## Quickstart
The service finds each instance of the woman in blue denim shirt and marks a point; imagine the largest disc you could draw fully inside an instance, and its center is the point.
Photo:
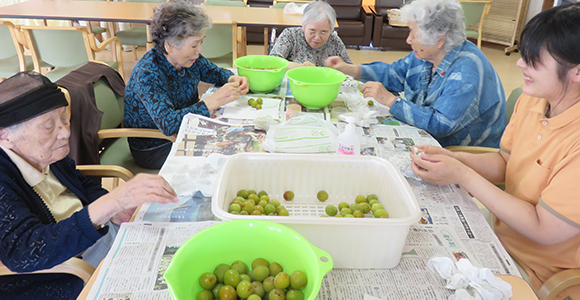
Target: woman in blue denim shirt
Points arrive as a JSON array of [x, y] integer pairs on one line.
[[447, 86]]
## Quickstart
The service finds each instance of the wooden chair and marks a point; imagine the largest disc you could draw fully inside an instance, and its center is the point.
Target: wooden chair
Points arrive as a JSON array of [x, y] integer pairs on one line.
[[475, 12], [136, 34], [216, 47], [62, 47], [12, 59], [74, 266]]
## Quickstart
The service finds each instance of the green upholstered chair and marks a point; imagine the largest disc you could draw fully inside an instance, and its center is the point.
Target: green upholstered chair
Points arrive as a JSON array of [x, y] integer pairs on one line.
[[475, 12], [66, 48], [135, 35], [511, 103], [217, 48], [12, 58], [114, 145]]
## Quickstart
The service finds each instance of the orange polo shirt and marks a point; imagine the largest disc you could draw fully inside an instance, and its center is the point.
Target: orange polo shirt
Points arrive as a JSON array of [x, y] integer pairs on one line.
[[544, 169]]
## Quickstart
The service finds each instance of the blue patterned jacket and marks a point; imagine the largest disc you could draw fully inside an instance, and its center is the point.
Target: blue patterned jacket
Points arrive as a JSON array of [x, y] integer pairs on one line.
[[159, 96], [463, 104], [31, 240]]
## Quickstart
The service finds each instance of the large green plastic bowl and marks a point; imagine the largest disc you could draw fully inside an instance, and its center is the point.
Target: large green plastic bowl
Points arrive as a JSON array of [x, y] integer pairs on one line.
[[245, 240], [264, 72], [315, 87]]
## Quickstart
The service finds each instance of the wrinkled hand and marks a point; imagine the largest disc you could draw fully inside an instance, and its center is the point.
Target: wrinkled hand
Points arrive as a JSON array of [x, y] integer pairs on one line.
[[437, 165], [337, 63], [141, 189], [378, 91], [123, 216], [242, 82], [224, 95]]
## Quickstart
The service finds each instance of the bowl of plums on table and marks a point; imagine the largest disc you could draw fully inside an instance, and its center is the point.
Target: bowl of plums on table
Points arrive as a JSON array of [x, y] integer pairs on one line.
[[247, 259], [264, 72]]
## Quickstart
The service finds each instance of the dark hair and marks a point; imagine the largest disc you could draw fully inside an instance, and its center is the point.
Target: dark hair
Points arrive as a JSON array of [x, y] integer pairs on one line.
[[174, 21], [557, 30]]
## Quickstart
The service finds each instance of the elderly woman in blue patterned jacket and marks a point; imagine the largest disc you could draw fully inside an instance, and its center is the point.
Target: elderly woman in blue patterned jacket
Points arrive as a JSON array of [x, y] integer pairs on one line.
[[447, 85], [49, 211], [314, 42], [163, 86]]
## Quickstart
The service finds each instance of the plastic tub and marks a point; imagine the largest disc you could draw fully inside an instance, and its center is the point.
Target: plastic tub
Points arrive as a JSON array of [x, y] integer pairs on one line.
[[315, 87], [352, 242], [245, 240], [264, 72]]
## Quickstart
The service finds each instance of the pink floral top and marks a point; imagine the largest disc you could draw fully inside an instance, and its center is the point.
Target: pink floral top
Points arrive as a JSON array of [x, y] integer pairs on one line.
[[292, 45]]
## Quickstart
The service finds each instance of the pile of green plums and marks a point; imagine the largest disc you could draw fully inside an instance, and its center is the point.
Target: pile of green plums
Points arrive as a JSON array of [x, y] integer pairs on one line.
[[265, 280], [255, 103], [248, 202], [362, 205]]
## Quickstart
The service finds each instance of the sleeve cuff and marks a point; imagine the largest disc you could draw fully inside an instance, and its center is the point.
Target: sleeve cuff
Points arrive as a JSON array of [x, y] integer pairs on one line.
[[86, 225]]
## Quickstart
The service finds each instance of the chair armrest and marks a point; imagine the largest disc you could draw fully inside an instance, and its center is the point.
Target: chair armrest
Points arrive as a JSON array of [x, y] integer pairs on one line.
[[118, 50], [74, 266], [105, 171], [134, 132], [559, 282], [472, 149]]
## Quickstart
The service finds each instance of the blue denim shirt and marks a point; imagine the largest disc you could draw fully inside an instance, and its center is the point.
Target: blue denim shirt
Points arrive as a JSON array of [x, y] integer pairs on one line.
[[159, 96], [462, 104]]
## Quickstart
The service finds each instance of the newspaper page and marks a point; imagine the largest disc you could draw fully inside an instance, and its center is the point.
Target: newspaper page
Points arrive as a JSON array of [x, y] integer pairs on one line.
[[134, 267]]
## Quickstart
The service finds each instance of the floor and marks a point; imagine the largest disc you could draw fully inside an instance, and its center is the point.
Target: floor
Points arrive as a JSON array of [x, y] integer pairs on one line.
[[510, 75]]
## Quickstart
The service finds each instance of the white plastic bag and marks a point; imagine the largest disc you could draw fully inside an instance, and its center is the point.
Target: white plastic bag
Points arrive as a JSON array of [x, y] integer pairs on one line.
[[302, 134]]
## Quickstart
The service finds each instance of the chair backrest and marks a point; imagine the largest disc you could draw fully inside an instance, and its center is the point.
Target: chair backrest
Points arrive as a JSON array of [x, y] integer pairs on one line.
[[7, 47], [216, 43], [58, 46], [109, 103], [473, 11], [511, 102], [283, 3]]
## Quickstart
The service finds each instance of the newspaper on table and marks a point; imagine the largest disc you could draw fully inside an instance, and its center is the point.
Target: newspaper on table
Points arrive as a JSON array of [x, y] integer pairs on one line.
[[451, 225]]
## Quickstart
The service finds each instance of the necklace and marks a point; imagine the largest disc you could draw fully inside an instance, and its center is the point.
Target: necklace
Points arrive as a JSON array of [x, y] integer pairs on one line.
[[181, 73], [550, 109]]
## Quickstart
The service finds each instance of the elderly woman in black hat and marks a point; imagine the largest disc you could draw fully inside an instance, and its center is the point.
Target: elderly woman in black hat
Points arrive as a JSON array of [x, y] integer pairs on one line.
[[49, 211]]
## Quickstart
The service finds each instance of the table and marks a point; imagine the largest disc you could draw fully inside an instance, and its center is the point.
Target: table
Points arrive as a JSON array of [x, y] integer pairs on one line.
[[140, 12], [451, 224]]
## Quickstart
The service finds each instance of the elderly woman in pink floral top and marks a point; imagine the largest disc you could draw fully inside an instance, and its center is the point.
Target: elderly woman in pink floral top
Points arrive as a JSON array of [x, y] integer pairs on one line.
[[314, 42]]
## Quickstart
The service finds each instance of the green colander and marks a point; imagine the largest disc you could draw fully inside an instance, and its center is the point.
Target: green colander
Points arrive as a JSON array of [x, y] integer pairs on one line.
[[315, 87], [264, 72], [245, 240]]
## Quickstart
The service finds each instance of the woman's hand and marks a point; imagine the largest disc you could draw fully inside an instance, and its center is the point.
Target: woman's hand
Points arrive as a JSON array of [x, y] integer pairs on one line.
[[437, 165], [224, 95], [120, 203], [293, 65], [242, 82], [337, 63], [378, 91]]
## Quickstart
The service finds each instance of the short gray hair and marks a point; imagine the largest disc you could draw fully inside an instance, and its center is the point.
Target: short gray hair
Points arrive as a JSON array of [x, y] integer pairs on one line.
[[435, 19], [318, 11], [175, 21]]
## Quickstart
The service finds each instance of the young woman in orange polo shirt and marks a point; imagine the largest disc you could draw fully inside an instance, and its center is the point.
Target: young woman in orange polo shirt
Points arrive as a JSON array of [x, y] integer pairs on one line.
[[537, 218]]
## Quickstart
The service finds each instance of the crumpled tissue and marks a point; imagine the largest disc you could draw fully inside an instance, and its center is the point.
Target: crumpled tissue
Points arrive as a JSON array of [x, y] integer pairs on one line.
[[293, 9], [465, 277], [358, 108]]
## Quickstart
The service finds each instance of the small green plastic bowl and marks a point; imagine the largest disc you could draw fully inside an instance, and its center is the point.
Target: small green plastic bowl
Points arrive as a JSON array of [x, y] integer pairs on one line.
[[315, 87], [264, 72], [245, 240]]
